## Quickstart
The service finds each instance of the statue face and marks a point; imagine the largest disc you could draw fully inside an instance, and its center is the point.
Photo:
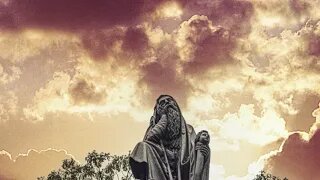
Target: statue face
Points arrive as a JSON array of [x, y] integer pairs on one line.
[[163, 103], [204, 138]]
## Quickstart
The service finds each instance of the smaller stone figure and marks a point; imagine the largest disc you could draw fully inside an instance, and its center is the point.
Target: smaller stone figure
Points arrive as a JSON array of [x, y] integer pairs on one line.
[[202, 156]]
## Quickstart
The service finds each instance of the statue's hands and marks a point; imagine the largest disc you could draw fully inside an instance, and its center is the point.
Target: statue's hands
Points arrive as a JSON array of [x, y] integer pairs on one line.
[[163, 117], [158, 129], [162, 111], [152, 120], [204, 149]]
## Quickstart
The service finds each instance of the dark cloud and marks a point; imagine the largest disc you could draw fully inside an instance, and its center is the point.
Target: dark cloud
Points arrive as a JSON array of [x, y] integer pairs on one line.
[[6, 17], [74, 14], [299, 159], [314, 45], [135, 40], [306, 103], [213, 50], [83, 92], [207, 46], [163, 79], [96, 21], [99, 43], [299, 6], [211, 45], [32, 165], [234, 15]]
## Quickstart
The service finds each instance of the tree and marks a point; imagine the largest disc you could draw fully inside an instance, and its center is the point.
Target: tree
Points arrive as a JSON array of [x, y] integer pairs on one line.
[[98, 166], [103, 166], [93, 168], [54, 175], [70, 169], [266, 176]]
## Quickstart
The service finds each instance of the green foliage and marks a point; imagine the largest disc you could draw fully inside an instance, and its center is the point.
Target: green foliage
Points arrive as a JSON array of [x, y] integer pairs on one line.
[[265, 176], [98, 166], [103, 166]]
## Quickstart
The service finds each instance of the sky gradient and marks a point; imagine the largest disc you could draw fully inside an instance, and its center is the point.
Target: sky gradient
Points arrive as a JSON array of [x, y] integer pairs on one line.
[[79, 75]]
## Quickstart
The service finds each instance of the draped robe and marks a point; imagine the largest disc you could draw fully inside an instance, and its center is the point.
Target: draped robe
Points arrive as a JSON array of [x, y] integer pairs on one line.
[[148, 158], [203, 162]]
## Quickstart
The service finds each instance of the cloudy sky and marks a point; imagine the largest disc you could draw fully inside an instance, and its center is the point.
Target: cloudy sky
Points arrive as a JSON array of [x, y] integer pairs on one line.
[[78, 75]]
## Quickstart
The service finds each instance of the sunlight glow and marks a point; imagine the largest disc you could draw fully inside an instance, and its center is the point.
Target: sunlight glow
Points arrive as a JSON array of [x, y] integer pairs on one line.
[[170, 9]]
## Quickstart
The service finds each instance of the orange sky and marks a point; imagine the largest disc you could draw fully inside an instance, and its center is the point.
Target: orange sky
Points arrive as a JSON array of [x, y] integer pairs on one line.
[[79, 75]]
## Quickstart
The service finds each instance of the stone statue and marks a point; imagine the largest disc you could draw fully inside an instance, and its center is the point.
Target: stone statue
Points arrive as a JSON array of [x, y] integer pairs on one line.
[[167, 151], [202, 156]]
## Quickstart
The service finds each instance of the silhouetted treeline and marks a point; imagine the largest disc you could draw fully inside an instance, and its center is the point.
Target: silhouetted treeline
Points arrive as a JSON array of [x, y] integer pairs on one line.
[[103, 166], [98, 166], [266, 176]]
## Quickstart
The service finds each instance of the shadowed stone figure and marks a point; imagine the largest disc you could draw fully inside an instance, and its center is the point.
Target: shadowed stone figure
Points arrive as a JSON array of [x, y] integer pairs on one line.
[[167, 150], [202, 156]]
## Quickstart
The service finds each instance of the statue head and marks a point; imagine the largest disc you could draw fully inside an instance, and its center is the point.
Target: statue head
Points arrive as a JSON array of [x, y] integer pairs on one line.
[[203, 137], [164, 105], [164, 102], [167, 105]]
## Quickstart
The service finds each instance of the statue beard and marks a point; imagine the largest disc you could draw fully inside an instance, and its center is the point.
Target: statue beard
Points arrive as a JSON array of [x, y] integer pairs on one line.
[[172, 136], [173, 131]]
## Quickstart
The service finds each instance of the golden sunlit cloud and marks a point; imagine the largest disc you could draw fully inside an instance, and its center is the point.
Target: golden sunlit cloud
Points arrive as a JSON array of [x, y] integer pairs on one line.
[[243, 70], [169, 9], [40, 163]]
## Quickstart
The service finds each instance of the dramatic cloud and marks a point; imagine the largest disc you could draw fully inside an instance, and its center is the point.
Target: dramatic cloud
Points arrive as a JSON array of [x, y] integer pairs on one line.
[[302, 120], [202, 45], [99, 43], [316, 125], [299, 6], [298, 156], [31, 165], [256, 130], [72, 14], [78, 71], [125, 44], [6, 17], [313, 39], [163, 79], [298, 159], [234, 15], [83, 92], [135, 41], [52, 98]]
